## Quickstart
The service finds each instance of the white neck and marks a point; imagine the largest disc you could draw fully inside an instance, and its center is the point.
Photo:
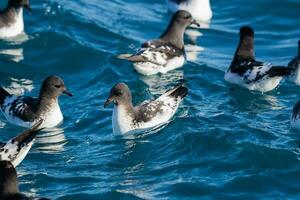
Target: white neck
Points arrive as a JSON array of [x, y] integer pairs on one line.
[[121, 121]]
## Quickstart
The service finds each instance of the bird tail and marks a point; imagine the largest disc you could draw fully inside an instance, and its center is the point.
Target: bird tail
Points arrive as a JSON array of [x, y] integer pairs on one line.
[[179, 91], [3, 95], [27, 136], [280, 71]]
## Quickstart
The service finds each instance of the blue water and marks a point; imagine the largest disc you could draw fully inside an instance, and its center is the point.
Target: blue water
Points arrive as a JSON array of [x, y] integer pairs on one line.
[[224, 143]]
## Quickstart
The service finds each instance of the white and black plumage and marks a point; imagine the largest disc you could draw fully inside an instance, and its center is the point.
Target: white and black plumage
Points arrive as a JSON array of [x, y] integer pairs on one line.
[[295, 65], [246, 72], [166, 53], [149, 114], [9, 184], [11, 18], [25, 111], [200, 9], [17, 148]]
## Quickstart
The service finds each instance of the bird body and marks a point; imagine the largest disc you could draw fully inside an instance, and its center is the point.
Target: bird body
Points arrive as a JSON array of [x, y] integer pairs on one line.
[[25, 111], [246, 72], [165, 53], [127, 118]]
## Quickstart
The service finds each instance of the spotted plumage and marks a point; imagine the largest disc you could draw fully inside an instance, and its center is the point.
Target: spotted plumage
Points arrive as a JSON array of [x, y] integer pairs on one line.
[[149, 114], [166, 53], [26, 111], [11, 18], [246, 72], [295, 65], [17, 148], [9, 184]]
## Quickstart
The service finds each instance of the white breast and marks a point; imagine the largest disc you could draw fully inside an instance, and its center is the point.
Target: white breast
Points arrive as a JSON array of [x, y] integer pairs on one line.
[[15, 28], [53, 117], [121, 121]]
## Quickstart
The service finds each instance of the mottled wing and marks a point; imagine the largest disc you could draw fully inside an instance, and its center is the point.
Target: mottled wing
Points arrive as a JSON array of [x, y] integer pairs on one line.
[[146, 111], [255, 70], [17, 148], [158, 52], [20, 107]]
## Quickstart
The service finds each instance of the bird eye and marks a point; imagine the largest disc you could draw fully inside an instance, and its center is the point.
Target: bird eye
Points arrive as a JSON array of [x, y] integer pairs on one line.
[[118, 93], [57, 86]]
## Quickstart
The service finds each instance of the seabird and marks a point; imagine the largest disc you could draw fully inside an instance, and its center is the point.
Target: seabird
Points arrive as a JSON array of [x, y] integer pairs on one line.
[[147, 115], [246, 72], [11, 18], [200, 9], [166, 53], [295, 65], [9, 184], [25, 111], [17, 148]]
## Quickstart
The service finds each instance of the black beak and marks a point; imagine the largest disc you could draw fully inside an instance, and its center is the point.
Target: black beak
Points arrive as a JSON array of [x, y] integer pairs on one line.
[[27, 6], [108, 101], [195, 23], [67, 92]]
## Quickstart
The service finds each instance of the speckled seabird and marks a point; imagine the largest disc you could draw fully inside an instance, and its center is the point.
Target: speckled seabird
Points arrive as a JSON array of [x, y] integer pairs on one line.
[[246, 72], [17, 148], [25, 111], [9, 185], [11, 18], [149, 114], [166, 53], [295, 64], [200, 9]]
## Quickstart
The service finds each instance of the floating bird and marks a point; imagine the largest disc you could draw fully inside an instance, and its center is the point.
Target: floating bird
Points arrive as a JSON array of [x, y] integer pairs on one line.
[[9, 185], [11, 18], [246, 72], [17, 148], [149, 114], [200, 9], [25, 111], [295, 64], [166, 53]]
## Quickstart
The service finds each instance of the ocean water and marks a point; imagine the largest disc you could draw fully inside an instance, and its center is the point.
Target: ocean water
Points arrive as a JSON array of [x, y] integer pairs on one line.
[[224, 143]]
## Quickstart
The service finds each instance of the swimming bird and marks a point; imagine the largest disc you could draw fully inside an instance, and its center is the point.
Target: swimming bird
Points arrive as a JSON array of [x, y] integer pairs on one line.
[[25, 111], [295, 64], [9, 184], [17, 148], [11, 18], [200, 9], [166, 53], [246, 72], [147, 115]]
